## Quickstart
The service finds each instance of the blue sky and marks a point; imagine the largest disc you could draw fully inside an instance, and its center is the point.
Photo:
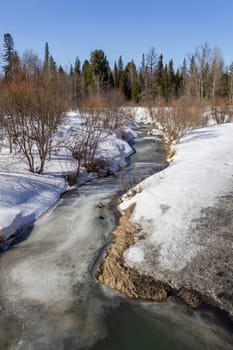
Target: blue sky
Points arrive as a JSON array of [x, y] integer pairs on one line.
[[124, 27]]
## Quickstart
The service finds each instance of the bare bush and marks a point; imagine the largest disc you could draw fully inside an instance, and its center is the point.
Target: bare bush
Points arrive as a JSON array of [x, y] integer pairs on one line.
[[221, 111], [111, 99], [95, 126], [175, 121], [32, 107]]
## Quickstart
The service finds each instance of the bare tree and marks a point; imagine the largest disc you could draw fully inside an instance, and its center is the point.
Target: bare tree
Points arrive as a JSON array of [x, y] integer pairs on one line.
[[216, 71], [150, 77]]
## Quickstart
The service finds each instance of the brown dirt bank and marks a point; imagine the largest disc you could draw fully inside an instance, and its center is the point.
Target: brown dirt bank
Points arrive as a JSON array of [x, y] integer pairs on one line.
[[113, 273]]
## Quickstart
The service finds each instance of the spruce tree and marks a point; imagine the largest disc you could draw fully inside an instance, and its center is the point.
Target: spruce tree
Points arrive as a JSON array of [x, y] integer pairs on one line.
[[170, 80], [121, 76], [9, 53], [46, 57], [77, 66], [130, 77], [115, 75], [101, 73], [52, 65], [161, 76]]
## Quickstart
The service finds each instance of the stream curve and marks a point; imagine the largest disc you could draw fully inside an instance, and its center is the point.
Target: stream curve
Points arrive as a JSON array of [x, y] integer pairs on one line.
[[50, 299]]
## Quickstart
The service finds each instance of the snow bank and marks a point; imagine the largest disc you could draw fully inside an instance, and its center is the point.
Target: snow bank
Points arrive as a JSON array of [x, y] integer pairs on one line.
[[200, 172], [25, 196]]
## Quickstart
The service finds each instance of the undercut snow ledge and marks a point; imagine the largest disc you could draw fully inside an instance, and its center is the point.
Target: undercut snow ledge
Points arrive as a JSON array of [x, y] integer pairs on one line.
[[24, 198]]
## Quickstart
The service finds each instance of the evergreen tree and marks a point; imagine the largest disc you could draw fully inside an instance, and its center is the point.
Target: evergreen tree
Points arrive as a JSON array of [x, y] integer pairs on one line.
[[77, 67], [115, 75], [160, 87], [86, 75], [170, 81], [120, 64], [76, 83], [52, 65], [61, 70], [230, 74], [101, 73], [9, 54], [225, 87], [46, 57], [178, 84], [71, 70], [130, 79], [142, 73], [121, 76], [184, 78], [193, 78], [135, 91]]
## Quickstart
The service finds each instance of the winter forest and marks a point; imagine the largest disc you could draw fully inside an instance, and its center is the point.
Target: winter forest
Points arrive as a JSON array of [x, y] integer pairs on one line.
[[202, 75], [35, 94]]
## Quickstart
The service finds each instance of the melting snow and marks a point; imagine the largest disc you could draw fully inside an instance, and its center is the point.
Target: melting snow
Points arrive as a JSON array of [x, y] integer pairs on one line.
[[201, 170]]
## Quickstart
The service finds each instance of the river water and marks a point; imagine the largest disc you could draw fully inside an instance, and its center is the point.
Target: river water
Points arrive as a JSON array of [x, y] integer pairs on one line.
[[50, 299]]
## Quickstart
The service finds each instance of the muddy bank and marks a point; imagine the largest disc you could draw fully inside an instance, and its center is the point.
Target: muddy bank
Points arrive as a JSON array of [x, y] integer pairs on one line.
[[114, 273], [208, 278]]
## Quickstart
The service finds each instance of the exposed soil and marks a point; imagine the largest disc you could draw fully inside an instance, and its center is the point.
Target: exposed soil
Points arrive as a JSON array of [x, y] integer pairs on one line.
[[207, 278], [113, 273]]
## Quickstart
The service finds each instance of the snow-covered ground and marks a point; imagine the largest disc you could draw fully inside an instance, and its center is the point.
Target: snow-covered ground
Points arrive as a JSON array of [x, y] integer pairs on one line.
[[25, 196], [170, 201]]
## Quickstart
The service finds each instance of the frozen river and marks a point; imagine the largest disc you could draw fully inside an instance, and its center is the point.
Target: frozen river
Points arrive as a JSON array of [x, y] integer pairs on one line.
[[50, 299]]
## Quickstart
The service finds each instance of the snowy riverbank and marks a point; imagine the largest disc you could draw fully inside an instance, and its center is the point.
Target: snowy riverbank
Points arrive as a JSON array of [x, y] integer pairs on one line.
[[181, 236], [24, 196]]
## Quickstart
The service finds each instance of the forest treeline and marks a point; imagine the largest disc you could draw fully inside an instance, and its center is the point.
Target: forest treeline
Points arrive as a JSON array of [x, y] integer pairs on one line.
[[202, 75], [35, 94]]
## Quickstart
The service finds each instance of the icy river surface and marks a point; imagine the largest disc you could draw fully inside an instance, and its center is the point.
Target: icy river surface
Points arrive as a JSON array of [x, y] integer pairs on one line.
[[50, 299]]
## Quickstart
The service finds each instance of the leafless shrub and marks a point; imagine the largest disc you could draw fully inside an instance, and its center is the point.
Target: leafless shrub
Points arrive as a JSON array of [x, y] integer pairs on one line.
[[175, 121], [181, 116], [221, 111], [32, 107], [95, 126], [111, 99]]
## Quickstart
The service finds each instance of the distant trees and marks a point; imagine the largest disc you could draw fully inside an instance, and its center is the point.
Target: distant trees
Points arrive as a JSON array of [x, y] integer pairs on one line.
[[202, 75], [35, 93]]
